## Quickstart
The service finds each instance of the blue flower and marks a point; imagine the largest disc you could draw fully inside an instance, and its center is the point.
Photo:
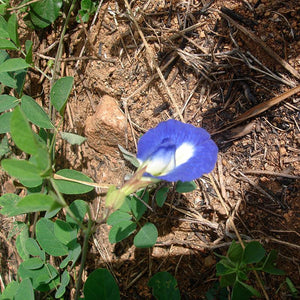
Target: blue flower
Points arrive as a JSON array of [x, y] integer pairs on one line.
[[175, 151]]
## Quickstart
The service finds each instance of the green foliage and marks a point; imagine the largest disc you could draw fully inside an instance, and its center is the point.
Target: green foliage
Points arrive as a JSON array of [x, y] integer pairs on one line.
[[4, 147], [72, 138], [5, 122], [234, 267], [22, 133], [71, 188], [13, 64], [7, 102], [164, 286], [35, 113], [48, 243], [87, 8], [9, 205], [185, 187], [161, 196], [60, 92], [25, 171], [101, 285], [216, 292], [43, 13], [292, 288], [129, 156], [146, 237], [125, 221], [47, 237]]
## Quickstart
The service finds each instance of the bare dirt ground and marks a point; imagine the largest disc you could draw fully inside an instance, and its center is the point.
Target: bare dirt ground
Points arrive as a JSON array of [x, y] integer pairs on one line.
[[226, 63]]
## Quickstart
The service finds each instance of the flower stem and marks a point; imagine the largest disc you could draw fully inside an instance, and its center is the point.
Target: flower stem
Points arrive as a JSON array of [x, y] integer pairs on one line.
[[87, 234]]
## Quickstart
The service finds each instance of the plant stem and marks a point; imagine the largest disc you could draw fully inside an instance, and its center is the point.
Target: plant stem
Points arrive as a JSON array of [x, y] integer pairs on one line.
[[87, 235], [58, 55], [63, 203]]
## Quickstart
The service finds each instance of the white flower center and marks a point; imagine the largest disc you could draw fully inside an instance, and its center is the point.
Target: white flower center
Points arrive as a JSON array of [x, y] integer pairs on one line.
[[166, 158], [183, 153]]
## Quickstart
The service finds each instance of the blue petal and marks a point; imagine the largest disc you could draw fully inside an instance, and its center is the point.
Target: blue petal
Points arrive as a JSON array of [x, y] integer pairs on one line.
[[202, 162], [199, 160]]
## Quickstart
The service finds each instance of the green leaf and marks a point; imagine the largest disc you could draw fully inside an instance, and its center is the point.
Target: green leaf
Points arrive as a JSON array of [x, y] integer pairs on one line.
[[43, 13], [216, 292], [79, 209], [129, 156], [41, 160], [3, 28], [74, 253], [269, 264], [228, 279], [20, 243], [35, 113], [86, 5], [7, 80], [4, 147], [3, 54], [101, 285], [185, 187], [161, 196], [243, 291], [14, 64], [224, 268], [7, 102], [253, 253], [3, 31], [6, 44], [146, 237], [33, 263], [47, 239], [43, 279], [9, 205], [65, 278], [71, 188], [21, 132], [291, 286], [5, 122], [3, 8], [164, 286], [20, 77], [17, 228], [36, 202], [117, 217], [72, 138], [121, 231], [10, 291], [65, 233], [25, 290], [60, 92], [137, 207], [235, 252], [12, 28], [34, 249], [28, 48], [24, 170]]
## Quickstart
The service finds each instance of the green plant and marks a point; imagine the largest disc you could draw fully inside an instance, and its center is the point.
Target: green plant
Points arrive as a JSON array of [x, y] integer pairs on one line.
[[234, 268], [164, 286], [128, 218], [39, 14], [87, 8]]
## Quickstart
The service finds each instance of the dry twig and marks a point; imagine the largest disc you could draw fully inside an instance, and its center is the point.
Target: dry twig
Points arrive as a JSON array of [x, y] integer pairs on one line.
[[152, 61]]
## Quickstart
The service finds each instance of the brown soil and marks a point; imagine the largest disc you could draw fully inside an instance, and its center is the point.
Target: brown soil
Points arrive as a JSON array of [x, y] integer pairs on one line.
[[219, 73]]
